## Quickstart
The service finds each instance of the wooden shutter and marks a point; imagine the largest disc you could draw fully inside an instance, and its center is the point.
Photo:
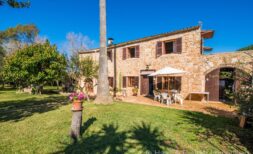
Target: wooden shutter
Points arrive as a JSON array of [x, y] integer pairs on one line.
[[124, 54], [179, 45], [124, 82], [137, 51], [159, 49], [212, 84]]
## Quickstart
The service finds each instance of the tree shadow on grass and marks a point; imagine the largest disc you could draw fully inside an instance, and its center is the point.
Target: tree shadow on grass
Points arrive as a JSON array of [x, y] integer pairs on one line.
[[221, 112], [110, 140], [87, 124], [231, 137], [20, 109], [107, 140], [151, 139]]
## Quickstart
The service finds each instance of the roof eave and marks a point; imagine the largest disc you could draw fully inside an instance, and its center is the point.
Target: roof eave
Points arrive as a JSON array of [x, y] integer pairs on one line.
[[185, 30], [207, 34]]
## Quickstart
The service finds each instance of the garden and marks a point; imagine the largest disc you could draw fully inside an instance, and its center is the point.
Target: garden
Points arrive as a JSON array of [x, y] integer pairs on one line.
[[42, 88], [41, 124]]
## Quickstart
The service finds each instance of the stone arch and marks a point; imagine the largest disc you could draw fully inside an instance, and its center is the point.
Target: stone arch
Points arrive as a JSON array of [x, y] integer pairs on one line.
[[216, 85], [243, 68]]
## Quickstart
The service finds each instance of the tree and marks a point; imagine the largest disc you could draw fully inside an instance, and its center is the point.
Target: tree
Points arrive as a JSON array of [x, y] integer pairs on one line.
[[35, 64], [15, 38], [250, 47], [103, 95], [89, 70], [76, 42], [244, 96], [15, 3], [21, 33], [243, 92], [2, 54]]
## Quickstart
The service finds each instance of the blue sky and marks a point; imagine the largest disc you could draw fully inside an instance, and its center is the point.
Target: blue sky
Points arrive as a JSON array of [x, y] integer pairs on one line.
[[232, 20]]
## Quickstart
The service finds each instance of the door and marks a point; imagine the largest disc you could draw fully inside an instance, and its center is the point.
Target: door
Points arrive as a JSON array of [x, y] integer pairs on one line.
[[212, 84], [151, 85], [144, 85]]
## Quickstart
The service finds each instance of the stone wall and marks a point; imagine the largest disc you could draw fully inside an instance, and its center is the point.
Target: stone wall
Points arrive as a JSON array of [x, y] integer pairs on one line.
[[190, 60]]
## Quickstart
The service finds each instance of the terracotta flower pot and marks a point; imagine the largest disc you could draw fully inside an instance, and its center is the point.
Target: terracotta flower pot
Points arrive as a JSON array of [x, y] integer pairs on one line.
[[77, 105]]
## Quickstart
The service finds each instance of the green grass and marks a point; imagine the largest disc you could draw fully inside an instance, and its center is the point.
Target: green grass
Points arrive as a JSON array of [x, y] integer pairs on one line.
[[41, 124]]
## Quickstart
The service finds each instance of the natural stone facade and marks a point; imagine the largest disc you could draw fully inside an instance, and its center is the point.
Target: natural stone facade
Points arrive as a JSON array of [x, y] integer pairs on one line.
[[191, 60]]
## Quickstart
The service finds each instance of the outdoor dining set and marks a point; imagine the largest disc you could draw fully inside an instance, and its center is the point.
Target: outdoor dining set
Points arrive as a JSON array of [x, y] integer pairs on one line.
[[168, 97]]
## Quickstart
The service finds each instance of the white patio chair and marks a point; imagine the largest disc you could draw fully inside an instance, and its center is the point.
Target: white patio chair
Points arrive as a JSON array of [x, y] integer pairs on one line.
[[157, 95], [124, 92], [179, 98], [165, 97]]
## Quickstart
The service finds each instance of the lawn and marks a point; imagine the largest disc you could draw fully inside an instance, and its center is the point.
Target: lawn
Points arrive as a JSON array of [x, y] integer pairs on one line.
[[40, 124]]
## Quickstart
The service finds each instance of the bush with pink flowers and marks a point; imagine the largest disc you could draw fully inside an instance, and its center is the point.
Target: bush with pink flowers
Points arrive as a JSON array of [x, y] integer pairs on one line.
[[77, 96]]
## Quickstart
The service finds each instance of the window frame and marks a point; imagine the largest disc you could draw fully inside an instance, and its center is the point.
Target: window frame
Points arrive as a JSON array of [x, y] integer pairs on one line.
[[173, 47], [111, 81], [131, 81], [129, 52], [169, 83]]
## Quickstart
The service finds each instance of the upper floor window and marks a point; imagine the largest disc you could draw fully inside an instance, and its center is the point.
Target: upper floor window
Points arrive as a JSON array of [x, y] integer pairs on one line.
[[168, 47], [109, 55], [131, 52]]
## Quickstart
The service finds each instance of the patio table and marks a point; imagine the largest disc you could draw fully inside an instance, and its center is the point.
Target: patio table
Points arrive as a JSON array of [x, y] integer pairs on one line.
[[201, 93]]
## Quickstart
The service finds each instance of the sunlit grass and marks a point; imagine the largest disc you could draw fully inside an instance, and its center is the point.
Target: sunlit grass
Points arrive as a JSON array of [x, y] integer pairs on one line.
[[40, 124]]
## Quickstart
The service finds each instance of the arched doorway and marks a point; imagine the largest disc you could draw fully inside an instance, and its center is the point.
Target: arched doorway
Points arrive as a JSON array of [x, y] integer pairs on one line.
[[221, 82]]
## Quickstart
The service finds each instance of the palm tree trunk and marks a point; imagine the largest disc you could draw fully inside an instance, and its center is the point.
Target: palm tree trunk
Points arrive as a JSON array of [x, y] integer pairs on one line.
[[103, 95]]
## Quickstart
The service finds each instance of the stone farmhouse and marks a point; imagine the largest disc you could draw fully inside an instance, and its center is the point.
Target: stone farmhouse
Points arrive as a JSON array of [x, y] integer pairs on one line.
[[130, 64]]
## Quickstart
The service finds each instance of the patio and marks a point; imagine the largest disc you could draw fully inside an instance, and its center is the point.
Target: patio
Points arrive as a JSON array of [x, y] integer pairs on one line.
[[212, 108]]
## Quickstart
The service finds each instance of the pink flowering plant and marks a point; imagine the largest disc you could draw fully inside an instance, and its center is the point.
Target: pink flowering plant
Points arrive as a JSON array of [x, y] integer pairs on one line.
[[77, 96]]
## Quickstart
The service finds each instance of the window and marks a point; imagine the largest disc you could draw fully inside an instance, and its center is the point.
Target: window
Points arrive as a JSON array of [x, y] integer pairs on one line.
[[110, 79], [133, 81], [159, 83], [131, 52], [109, 55], [175, 83], [165, 82], [169, 83], [89, 86], [168, 47]]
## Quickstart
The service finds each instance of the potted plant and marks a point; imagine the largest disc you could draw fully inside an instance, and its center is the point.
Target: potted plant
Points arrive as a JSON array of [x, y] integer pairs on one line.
[[77, 100], [135, 91]]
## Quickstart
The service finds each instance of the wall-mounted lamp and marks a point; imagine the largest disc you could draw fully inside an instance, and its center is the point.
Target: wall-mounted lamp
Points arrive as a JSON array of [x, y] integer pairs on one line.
[[147, 67]]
